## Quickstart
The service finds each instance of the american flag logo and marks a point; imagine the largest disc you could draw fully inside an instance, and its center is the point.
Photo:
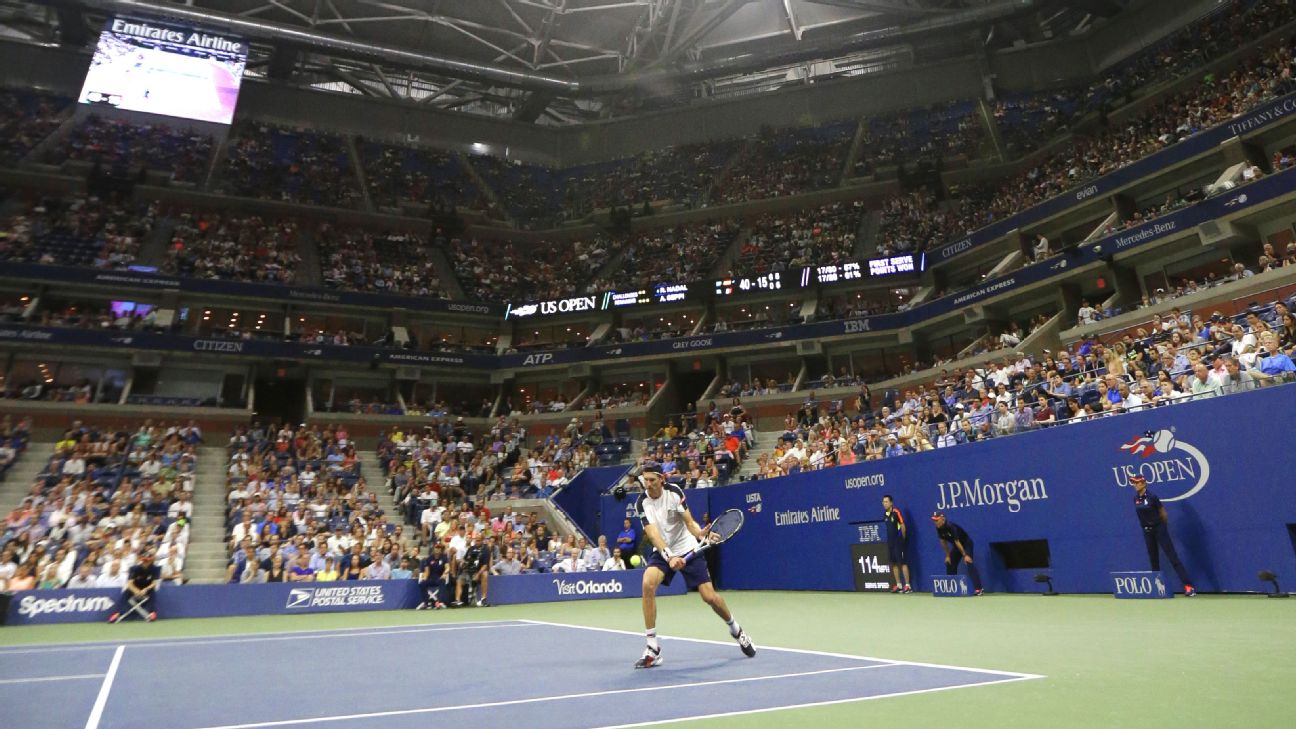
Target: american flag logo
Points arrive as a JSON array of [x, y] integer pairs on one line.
[[1141, 446]]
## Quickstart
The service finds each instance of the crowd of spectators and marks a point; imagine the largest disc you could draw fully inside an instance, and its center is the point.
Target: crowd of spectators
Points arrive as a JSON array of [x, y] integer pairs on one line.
[[124, 148], [107, 497], [1183, 357], [1026, 121], [941, 131], [14, 436], [388, 263], [26, 119], [675, 176], [678, 254], [429, 177], [782, 162], [85, 231], [295, 493], [787, 241], [292, 165], [233, 247], [495, 270], [702, 448]]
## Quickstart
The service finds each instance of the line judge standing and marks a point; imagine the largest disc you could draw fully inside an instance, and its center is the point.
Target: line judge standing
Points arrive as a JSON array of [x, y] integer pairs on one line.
[[1156, 531]]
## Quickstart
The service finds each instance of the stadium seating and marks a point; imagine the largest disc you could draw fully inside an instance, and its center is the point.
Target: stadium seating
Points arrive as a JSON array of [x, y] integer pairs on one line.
[[88, 232], [293, 165], [122, 148], [426, 177], [104, 497], [27, 118], [234, 247]]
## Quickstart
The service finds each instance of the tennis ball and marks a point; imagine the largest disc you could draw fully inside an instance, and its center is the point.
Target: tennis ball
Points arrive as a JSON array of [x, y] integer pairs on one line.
[[1163, 441], [636, 560]]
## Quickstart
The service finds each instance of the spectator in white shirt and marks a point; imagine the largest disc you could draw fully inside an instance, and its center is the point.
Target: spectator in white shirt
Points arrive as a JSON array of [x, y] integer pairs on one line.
[[571, 564], [1087, 314], [614, 562], [84, 578], [114, 576]]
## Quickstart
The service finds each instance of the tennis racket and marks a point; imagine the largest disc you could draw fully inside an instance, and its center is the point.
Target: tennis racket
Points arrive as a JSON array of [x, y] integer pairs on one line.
[[721, 530]]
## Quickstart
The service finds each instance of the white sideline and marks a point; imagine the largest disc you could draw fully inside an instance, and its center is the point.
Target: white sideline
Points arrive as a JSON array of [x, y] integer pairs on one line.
[[990, 671], [37, 679], [101, 700], [269, 635]]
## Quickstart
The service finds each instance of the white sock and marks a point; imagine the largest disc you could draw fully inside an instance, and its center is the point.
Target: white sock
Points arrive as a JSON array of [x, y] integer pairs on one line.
[[652, 639], [734, 628]]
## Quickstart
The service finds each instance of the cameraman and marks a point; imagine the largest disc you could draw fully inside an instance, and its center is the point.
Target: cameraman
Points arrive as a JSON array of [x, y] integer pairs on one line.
[[474, 567]]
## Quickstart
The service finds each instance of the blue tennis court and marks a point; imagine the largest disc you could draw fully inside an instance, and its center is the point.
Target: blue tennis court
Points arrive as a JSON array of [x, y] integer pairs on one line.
[[537, 674]]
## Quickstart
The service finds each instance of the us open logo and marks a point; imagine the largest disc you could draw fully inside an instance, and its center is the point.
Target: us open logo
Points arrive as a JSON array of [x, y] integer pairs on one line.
[[1161, 464]]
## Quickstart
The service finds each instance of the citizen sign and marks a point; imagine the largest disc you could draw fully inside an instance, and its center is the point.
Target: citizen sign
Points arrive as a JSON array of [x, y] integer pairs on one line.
[[217, 345], [588, 587]]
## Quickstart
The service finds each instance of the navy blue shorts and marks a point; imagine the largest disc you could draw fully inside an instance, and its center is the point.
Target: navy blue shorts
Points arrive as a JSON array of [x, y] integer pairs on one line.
[[896, 552], [695, 572]]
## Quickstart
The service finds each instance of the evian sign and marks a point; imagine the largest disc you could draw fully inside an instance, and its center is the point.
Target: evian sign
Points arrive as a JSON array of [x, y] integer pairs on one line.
[[1164, 459]]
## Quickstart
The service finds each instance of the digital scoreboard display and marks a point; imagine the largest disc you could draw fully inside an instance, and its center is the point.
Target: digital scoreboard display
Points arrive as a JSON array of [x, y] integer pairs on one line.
[[772, 281], [158, 68], [869, 558]]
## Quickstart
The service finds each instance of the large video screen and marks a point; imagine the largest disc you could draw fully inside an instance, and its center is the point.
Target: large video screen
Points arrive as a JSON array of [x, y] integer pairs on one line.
[[144, 65]]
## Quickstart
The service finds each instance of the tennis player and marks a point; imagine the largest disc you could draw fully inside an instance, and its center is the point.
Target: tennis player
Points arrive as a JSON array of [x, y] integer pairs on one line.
[[673, 533]]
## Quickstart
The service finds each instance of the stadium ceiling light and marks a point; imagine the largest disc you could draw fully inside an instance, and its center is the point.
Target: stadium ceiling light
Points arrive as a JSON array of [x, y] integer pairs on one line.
[[1271, 578], [1046, 577]]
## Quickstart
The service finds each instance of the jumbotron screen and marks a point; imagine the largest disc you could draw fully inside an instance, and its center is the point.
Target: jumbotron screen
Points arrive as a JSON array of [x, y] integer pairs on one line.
[[144, 65]]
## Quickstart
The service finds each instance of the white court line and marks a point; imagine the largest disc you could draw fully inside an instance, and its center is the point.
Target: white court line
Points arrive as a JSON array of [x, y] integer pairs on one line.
[[1011, 674], [274, 635], [35, 679], [102, 700], [741, 712], [540, 699]]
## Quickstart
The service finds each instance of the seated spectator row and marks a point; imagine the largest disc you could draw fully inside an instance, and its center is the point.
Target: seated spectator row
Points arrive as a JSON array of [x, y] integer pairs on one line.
[[123, 148], [294, 165], [232, 246], [87, 231], [106, 497], [393, 263], [26, 119], [786, 241]]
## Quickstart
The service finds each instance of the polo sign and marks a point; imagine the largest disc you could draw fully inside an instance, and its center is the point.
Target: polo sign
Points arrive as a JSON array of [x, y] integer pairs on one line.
[[951, 586], [1140, 586]]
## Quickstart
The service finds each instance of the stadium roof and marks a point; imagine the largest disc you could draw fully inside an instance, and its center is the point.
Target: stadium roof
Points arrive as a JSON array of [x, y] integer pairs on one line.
[[569, 61]]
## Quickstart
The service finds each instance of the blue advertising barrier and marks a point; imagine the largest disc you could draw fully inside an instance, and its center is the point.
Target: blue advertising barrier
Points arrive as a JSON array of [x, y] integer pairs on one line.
[[1058, 498], [258, 348], [581, 498], [210, 601], [1140, 586], [1264, 116], [561, 587], [952, 586]]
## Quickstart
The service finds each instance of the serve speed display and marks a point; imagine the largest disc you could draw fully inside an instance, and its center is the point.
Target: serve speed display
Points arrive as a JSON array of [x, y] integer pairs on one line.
[[869, 561]]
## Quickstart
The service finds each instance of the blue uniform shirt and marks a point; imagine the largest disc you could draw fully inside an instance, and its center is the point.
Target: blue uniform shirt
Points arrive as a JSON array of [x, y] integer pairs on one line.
[[1148, 508], [894, 520]]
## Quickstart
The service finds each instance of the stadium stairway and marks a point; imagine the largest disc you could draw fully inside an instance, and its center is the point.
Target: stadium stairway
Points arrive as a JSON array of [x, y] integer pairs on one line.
[[764, 446], [17, 480], [157, 243], [205, 561]]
